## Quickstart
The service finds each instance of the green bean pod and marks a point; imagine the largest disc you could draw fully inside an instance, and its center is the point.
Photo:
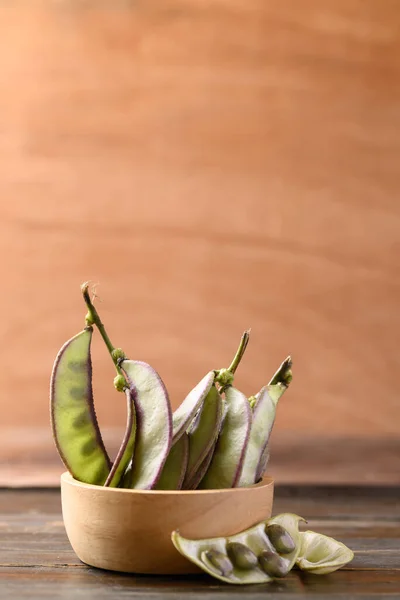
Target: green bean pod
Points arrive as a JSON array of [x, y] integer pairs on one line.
[[203, 468], [236, 559], [203, 432], [193, 483], [263, 418], [154, 423], [275, 392], [126, 450], [175, 466], [262, 463], [276, 388], [184, 414], [74, 423], [227, 461]]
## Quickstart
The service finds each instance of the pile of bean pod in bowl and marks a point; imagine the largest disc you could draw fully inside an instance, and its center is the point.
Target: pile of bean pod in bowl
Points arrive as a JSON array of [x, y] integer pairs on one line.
[[217, 438]]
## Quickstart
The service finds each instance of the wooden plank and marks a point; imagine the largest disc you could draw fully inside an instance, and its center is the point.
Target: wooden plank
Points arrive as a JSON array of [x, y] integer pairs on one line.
[[36, 560], [343, 502], [215, 165], [51, 549], [86, 583]]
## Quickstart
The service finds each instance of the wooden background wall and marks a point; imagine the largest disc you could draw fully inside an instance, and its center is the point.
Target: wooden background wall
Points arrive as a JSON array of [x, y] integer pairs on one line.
[[214, 165]]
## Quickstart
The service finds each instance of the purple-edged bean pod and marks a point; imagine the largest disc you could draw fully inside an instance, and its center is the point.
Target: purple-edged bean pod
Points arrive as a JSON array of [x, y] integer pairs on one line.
[[186, 411], [192, 484], [154, 423], [203, 433], [73, 417], [215, 439], [263, 417], [125, 453], [175, 466], [247, 557], [227, 461]]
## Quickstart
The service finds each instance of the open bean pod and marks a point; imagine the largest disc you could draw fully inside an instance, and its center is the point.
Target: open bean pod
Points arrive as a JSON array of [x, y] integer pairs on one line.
[[247, 557]]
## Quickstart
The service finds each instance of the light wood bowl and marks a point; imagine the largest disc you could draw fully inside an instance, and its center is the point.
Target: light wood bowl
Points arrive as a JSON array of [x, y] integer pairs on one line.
[[130, 530]]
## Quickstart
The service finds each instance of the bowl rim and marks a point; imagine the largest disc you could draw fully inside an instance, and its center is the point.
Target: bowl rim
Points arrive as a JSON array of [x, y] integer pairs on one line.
[[67, 478]]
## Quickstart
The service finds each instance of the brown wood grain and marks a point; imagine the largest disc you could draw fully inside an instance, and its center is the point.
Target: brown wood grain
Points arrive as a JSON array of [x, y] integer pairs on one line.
[[214, 165], [36, 560]]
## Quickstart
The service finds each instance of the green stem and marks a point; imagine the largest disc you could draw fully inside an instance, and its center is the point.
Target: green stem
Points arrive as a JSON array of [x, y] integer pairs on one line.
[[240, 352], [93, 318], [225, 376]]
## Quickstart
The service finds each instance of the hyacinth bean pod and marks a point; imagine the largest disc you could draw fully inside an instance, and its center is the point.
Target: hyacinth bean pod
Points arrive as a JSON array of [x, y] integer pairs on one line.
[[320, 554], [227, 461], [186, 411], [193, 483], [262, 464], [263, 418], [73, 417], [232, 559], [203, 431], [126, 450], [154, 423], [175, 467], [198, 551], [264, 411]]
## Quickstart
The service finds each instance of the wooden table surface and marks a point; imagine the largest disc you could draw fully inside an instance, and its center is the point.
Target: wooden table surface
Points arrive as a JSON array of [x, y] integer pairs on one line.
[[36, 560]]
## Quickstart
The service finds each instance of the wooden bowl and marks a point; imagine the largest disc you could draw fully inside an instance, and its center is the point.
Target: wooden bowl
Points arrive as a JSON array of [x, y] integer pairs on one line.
[[130, 530]]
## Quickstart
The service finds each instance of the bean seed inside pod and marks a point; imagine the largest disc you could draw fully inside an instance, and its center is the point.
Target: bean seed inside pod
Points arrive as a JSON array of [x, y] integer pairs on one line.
[[241, 556], [281, 540], [220, 561], [272, 564]]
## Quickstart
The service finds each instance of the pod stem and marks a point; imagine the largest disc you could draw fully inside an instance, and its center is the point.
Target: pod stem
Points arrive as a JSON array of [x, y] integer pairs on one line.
[[93, 318], [240, 352], [225, 376], [284, 373]]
